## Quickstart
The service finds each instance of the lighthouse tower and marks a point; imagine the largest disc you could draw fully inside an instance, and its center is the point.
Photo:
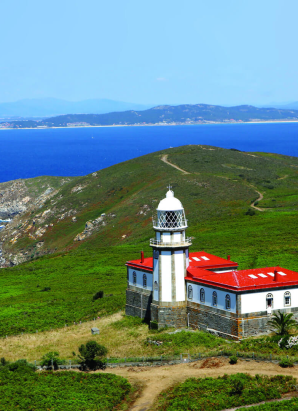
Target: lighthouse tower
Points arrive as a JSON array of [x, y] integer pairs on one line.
[[170, 260]]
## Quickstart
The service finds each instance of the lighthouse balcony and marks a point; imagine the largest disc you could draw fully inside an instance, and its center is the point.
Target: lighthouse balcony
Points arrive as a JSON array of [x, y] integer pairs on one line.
[[157, 243]]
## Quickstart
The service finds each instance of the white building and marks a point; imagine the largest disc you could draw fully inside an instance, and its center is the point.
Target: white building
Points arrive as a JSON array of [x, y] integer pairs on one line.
[[200, 290]]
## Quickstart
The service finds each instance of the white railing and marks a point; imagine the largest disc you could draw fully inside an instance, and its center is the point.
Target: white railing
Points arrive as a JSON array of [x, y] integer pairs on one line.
[[186, 242]]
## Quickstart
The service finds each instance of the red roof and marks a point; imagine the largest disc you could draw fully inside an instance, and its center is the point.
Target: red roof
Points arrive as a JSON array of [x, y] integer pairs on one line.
[[204, 260], [198, 259], [244, 279], [146, 265]]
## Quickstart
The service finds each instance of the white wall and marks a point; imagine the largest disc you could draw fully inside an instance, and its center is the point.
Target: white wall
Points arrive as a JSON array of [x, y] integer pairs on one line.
[[155, 277], [254, 302], [179, 273], [166, 278], [139, 274], [221, 295]]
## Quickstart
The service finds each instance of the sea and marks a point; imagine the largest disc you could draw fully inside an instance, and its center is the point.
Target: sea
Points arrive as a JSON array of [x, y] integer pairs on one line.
[[79, 151]]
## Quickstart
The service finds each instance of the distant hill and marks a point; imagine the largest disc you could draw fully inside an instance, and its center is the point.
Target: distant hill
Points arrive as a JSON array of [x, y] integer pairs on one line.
[[48, 107], [182, 114]]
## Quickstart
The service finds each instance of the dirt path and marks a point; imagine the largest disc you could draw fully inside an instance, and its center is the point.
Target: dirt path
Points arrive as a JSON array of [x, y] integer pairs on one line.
[[157, 379], [164, 158], [258, 199]]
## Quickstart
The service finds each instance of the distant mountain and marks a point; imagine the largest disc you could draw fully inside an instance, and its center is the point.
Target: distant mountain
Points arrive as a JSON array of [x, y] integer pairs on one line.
[[48, 107], [284, 106], [183, 114]]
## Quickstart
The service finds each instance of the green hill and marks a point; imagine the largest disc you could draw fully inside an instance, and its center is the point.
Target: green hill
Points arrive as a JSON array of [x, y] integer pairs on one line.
[[83, 251]]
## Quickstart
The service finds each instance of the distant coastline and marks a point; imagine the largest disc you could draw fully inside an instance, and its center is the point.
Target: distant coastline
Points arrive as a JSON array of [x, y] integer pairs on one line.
[[154, 125]]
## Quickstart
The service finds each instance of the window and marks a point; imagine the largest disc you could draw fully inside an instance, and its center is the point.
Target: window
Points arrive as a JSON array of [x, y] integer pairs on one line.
[[214, 298], [228, 302], [269, 301], [145, 281], [190, 292], [134, 278], [171, 219], [287, 297], [155, 285], [202, 295]]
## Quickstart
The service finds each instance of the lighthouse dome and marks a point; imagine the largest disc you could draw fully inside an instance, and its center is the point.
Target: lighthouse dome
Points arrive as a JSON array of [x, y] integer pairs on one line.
[[170, 203]]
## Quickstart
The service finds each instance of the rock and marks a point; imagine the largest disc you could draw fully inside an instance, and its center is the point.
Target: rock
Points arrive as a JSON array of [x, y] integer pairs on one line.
[[89, 225], [79, 237], [74, 219]]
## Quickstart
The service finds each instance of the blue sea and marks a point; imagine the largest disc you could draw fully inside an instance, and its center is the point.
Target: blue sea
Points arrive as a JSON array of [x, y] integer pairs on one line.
[[79, 151]]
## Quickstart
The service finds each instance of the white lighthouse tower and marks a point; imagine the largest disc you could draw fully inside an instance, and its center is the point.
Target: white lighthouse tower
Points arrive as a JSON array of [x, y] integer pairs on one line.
[[170, 260]]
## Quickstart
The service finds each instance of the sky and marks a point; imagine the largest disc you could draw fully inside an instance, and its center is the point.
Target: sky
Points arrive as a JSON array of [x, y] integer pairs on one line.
[[150, 52]]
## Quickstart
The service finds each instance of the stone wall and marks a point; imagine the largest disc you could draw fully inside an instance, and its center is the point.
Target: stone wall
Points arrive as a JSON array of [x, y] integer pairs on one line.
[[169, 316], [138, 303], [223, 323]]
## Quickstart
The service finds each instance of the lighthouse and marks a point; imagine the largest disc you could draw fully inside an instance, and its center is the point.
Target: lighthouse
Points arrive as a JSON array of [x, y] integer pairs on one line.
[[170, 261]]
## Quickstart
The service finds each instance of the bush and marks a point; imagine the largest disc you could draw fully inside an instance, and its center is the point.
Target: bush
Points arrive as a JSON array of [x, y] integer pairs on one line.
[[3, 361], [250, 212], [46, 289], [286, 363], [93, 355], [51, 359], [153, 325], [21, 366], [97, 295], [233, 359]]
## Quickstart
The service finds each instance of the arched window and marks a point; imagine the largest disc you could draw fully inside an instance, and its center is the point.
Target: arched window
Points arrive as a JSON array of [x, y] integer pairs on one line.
[[228, 302], [155, 285], [189, 292], [214, 298], [269, 301], [134, 278], [202, 295], [144, 280], [287, 298]]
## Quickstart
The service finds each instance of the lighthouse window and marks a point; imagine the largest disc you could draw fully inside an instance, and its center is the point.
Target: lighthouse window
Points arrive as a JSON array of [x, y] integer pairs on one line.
[[269, 301], [214, 298], [171, 219], [228, 302], [145, 281], [287, 296], [134, 278], [190, 292], [202, 295], [155, 285]]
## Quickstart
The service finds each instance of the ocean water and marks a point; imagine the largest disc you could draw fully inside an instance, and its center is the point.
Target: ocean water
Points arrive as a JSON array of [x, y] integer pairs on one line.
[[79, 151]]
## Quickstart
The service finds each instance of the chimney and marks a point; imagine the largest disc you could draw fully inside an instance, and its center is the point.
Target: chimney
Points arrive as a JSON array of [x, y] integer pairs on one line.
[[228, 257], [142, 257], [275, 275]]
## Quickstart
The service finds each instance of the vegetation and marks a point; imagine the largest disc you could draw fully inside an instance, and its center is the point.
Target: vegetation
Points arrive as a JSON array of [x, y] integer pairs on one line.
[[185, 113], [224, 392], [286, 363], [93, 355], [24, 389], [51, 359], [282, 323], [233, 360]]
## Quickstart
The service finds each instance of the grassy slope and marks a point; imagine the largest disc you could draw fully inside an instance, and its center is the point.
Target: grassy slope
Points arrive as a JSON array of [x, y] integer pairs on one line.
[[216, 194]]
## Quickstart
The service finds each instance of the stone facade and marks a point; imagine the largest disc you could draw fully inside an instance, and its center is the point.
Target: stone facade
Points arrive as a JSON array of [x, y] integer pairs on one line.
[[138, 303], [174, 316]]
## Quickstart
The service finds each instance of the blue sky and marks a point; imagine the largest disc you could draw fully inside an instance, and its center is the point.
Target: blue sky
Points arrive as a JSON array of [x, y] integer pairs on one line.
[[152, 52]]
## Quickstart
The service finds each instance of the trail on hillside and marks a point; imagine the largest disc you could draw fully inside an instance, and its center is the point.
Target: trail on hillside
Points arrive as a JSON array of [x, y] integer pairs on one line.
[[157, 379], [258, 199], [164, 158]]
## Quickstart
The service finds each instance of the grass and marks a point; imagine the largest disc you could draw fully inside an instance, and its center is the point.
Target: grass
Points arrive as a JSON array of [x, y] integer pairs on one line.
[[287, 405], [61, 391], [224, 392]]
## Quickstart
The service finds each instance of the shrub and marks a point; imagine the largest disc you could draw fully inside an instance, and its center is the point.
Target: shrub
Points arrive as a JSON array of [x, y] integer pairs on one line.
[[97, 295], [233, 359], [250, 212], [285, 363], [282, 323], [92, 355], [51, 359], [21, 366], [46, 289], [153, 325], [3, 361]]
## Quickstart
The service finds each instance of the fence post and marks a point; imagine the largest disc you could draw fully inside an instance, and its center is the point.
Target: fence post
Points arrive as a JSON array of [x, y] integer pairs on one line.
[[35, 363], [52, 363], [180, 357], [161, 358], [253, 355], [143, 359], [125, 359]]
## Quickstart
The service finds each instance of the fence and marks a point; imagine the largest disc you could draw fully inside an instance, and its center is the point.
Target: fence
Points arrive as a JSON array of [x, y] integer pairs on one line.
[[113, 362]]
